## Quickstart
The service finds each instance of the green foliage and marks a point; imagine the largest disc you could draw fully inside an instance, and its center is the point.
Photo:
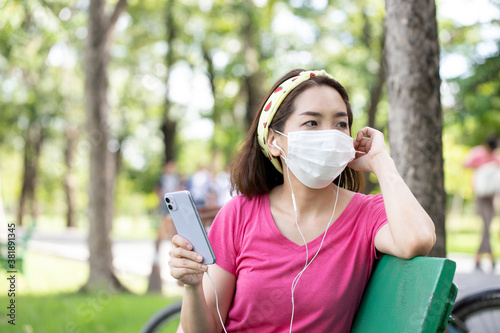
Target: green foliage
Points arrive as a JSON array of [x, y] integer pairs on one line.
[[217, 45], [458, 180], [478, 104]]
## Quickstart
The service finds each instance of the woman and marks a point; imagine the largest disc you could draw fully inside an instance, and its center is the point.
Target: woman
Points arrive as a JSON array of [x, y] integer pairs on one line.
[[295, 250], [481, 159]]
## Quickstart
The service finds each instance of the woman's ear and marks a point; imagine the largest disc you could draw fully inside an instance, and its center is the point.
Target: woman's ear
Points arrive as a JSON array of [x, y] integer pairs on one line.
[[271, 144]]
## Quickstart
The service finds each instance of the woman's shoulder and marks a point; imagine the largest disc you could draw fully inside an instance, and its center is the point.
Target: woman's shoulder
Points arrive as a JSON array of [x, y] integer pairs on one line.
[[240, 203], [358, 198], [243, 200], [239, 212], [366, 209]]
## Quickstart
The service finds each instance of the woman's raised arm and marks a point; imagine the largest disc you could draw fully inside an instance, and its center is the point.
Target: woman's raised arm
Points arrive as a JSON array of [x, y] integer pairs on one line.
[[410, 231]]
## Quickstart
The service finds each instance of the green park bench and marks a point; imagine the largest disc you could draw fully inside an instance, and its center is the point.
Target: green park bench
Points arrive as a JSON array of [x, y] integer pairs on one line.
[[414, 295], [21, 244]]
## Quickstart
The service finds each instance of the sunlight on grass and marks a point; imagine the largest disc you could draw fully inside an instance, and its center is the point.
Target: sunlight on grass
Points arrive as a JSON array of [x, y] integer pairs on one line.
[[47, 299], [103, 311], [45, 274], [463, 234]]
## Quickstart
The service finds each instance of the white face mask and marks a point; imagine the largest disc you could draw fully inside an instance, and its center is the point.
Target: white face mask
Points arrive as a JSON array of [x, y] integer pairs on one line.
[[316, 158]]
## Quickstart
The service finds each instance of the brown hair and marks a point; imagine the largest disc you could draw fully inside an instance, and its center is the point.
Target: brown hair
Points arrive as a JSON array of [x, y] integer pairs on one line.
[[251, 171]]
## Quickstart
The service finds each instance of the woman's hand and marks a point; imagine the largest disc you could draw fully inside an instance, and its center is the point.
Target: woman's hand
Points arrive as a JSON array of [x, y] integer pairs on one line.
[[369, 144], [185, 264], [410, 231]]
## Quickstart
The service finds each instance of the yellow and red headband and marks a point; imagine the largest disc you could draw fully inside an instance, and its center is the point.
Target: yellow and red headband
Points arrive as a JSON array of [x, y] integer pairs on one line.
[[271, 106]]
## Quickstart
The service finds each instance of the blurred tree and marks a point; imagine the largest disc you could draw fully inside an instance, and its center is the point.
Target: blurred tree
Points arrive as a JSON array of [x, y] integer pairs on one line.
[[69, 177], [472, 105], [102, 156], [29, 96], [413, 85], [35, 133], [478, 100], [234, 47], [169, 124], [255, 23], [34, 137]]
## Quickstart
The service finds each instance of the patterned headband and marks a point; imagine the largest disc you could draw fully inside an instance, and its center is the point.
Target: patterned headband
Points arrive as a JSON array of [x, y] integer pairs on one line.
[[271, 106]]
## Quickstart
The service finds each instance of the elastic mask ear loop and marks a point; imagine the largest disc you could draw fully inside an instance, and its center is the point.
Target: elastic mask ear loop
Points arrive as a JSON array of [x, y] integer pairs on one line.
[[290, 182], [280, 133]]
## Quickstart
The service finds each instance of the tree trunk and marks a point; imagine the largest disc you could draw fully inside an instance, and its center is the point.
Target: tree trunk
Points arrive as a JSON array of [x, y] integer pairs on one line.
[[216, 110], [415, 119], [32, 148], [169, 126], [376, 91], [254, 77], [100, 28], [169, 129], [375, 95], [69, 180]]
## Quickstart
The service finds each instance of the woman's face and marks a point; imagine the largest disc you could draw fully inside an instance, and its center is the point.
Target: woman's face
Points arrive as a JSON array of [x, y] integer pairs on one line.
[[319, 108], [316, 108]]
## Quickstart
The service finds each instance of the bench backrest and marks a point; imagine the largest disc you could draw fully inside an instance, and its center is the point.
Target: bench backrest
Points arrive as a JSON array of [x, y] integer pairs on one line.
[[414, 295]]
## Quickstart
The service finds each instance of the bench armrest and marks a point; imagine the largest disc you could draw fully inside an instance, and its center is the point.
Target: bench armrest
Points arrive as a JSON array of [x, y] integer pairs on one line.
[[414, 295]]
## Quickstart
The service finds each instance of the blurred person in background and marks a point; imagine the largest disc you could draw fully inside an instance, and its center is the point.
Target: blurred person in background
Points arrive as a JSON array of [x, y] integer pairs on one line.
[[199, 186], [485, 161], [169, 181], [222, 187]]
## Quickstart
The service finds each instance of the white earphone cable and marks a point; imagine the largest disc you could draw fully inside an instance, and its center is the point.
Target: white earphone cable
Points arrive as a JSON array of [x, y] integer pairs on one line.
[[299, 275], [216, 302]]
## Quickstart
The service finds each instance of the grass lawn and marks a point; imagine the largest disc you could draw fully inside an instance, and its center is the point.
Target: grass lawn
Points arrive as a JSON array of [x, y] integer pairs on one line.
[[100, 312], [47, 300], [463, 234]]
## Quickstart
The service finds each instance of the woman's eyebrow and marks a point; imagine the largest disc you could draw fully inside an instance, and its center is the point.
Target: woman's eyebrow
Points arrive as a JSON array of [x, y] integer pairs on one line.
[[320, 115], [311, 113], [340, 114]]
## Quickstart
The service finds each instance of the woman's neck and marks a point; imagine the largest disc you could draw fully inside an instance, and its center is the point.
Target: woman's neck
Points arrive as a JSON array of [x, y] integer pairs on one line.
[[307, 200]]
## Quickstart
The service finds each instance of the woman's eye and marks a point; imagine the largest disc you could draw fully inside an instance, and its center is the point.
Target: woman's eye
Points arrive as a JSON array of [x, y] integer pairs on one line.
[[311, 123], [342, 124]]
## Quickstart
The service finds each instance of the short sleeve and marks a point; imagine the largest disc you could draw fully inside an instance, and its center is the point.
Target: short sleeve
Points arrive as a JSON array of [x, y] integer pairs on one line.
[[223, 236], [473, 159]]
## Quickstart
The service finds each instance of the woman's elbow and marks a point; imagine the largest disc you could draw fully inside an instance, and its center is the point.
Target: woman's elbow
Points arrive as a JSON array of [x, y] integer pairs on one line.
[[421, 244]]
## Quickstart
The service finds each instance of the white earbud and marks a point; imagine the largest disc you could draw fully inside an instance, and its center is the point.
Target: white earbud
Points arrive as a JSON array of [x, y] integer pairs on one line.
[[274, 143]]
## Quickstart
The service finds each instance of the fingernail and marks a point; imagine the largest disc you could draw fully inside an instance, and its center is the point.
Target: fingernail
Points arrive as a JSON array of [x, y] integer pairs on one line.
[[200, 258], [204, 267]]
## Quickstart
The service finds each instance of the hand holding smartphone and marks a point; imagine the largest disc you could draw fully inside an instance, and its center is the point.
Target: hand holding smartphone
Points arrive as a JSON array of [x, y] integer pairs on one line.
[[188, 223]]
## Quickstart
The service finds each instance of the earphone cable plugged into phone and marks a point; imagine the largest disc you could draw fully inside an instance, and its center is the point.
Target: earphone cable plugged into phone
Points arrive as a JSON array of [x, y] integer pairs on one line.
[[216, 302]]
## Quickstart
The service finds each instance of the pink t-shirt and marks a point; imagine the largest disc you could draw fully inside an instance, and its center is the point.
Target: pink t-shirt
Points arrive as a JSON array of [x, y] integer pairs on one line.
[[248, 244], [479, 156]]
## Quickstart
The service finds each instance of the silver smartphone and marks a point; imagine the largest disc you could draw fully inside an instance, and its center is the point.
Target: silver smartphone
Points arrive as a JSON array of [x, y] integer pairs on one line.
[[188, 223]]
